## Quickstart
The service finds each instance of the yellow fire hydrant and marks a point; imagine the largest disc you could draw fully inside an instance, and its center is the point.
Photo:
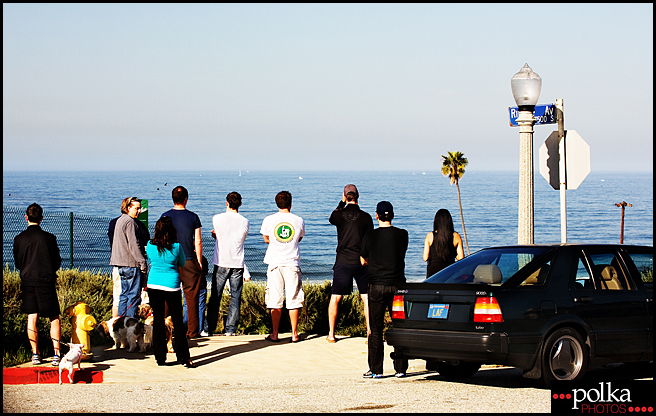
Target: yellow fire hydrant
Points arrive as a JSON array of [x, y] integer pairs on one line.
[[82, 323]]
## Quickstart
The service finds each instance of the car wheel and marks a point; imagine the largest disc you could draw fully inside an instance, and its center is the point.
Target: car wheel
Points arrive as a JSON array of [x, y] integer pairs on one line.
[[461, 369], [565, 356], [401, 365]]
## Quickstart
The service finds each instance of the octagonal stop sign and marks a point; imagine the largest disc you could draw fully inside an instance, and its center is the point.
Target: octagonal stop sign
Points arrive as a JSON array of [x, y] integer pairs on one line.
[[577, 159]]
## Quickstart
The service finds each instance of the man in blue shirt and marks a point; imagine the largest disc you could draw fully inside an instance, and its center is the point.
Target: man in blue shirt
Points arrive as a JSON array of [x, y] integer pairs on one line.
[[187, 225]]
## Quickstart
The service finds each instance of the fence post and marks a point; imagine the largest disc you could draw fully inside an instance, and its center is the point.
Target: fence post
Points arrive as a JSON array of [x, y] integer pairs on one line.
[[71, 239]]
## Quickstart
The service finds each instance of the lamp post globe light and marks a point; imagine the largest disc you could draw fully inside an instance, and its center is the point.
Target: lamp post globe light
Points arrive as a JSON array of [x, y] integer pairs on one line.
[[526, 86]]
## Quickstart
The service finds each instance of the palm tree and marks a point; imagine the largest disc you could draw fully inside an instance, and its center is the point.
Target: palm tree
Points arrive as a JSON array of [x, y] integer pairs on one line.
[[453, 166]]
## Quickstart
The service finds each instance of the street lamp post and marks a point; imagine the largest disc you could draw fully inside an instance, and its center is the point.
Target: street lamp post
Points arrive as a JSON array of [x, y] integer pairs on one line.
[[526, 86]]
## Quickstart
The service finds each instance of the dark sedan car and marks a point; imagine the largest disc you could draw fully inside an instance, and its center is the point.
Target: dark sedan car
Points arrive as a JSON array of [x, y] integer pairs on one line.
[[552, 310]]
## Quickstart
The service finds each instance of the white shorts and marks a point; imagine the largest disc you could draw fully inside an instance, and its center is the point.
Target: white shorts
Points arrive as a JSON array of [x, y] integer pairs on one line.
[[281, 281], [116, 289]]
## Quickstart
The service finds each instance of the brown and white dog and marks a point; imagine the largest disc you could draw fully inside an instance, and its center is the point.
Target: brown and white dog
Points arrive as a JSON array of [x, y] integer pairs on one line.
[[73, 356], [146, 313], [125, 331]]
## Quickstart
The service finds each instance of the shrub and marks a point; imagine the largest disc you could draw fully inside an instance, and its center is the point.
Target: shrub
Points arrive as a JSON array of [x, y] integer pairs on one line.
[[254, 317], [73, 285], [95, 289]]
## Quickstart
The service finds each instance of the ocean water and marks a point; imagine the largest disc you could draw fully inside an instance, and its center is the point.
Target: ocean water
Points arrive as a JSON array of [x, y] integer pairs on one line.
[[489, 202]]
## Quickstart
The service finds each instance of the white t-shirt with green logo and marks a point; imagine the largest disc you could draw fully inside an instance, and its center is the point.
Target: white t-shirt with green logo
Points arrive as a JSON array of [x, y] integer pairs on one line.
[[284, 231]]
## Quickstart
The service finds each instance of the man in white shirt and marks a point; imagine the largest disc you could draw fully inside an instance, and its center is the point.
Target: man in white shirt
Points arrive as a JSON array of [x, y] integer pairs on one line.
[[282, 232], [230, 231]]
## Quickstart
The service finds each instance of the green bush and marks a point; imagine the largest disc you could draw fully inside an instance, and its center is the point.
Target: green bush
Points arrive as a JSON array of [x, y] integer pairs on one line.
[[95, 289], [73, 285], [254, 318]]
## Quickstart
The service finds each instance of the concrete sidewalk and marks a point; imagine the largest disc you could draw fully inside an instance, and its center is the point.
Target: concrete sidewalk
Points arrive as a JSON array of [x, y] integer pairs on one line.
[[249, 374], [243, 357]]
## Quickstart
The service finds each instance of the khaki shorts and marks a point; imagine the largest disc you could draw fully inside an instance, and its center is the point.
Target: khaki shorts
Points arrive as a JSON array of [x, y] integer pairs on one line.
[[116, 288], [281, 281]]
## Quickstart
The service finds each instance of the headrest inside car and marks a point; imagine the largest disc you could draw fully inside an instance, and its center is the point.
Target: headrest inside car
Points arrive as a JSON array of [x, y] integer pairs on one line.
[[487, 273], [608, 273]]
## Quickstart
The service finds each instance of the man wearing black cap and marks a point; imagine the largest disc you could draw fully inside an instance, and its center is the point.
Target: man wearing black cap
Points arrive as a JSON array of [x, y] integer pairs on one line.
[[352, 224], [383, 249]]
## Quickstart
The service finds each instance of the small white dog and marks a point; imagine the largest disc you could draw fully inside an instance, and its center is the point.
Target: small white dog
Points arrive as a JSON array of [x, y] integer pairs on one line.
[[72, 357], [125, 331]]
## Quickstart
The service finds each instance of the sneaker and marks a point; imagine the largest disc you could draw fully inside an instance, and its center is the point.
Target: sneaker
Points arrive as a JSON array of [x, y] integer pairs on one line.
[[399, 375], [369, 374], [55, 361], [36, 359], [230, 334], [204, 334]]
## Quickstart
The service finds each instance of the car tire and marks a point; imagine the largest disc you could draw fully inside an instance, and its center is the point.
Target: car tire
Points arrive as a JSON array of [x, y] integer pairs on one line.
[[401, 365], [565, 356], [461, 369]]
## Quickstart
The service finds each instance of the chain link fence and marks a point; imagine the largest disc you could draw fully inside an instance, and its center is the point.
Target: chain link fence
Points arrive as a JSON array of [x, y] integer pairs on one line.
[[84, 244]]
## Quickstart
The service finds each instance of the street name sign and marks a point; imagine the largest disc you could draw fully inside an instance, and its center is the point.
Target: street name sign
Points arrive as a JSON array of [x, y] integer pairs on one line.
[[577, 159], [543, 114]]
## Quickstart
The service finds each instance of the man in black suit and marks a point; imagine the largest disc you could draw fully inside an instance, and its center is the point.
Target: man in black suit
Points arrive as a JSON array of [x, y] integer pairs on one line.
[[37, 257]]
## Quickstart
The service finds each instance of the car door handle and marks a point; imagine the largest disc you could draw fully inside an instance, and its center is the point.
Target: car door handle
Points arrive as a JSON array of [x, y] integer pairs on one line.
[[584, 299]]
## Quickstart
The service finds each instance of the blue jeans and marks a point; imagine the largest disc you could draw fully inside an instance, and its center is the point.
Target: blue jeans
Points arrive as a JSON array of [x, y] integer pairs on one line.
[[219, 278], [130, 298], [202, 305]]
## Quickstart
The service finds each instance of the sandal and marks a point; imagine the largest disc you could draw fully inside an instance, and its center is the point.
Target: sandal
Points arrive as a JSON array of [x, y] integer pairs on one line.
[[268, 338]]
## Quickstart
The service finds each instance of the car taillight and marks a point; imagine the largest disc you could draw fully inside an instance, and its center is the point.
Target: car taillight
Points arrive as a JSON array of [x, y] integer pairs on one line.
[[487, 310], [398, 311]]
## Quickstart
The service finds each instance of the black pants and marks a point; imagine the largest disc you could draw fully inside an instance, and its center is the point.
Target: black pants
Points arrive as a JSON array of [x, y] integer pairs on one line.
[[158, 300], [380, 298]]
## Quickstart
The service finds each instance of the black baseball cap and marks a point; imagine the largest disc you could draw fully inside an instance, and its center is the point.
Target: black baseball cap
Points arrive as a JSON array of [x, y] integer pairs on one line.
[[384, 208]]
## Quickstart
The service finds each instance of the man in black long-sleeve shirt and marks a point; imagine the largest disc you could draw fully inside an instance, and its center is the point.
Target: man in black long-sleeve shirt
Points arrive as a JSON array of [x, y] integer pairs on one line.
[[383, 250], [352, 224], [37, 257]]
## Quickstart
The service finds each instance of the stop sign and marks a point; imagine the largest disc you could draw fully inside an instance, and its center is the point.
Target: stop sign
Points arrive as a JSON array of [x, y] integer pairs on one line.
[[577, 159]]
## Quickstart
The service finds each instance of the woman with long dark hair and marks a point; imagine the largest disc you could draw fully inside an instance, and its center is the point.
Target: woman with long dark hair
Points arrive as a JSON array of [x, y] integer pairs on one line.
[[165, 256], [442, 246]]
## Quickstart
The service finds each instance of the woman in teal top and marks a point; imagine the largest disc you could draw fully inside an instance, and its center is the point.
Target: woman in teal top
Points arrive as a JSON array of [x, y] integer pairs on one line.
[[165, 256]]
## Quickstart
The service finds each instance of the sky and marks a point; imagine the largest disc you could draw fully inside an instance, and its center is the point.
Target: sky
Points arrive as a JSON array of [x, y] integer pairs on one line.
[[290, 87]]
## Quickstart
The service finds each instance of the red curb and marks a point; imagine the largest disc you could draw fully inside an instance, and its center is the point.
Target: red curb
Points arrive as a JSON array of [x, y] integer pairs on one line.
[[48, 376]]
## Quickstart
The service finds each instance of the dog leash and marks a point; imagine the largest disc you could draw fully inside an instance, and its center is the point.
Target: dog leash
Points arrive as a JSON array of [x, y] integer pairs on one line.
[[54, 339], [126, 309]]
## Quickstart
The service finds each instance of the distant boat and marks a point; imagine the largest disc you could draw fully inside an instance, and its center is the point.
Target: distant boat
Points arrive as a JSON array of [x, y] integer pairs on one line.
[[300, 177], [423, 173], [240, 172]]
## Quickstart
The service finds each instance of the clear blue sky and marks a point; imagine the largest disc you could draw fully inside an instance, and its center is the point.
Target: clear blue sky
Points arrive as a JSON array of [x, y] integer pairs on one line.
[[317, 87]]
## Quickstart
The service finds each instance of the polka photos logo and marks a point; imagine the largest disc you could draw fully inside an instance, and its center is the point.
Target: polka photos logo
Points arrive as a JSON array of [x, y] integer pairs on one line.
[[601, 398]]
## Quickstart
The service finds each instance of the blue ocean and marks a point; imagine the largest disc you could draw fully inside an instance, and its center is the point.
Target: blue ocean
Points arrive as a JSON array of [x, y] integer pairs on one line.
[[489, 203]]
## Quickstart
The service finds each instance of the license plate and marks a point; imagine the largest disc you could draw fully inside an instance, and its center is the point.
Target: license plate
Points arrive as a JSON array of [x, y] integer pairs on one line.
[[438, 310]]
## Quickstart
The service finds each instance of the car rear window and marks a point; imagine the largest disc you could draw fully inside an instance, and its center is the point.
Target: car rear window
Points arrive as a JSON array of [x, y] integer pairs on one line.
[[644, 262], [492, 266]]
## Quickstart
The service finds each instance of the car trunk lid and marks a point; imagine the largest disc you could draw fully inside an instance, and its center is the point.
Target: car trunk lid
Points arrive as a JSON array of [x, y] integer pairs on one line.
[[447, 307]]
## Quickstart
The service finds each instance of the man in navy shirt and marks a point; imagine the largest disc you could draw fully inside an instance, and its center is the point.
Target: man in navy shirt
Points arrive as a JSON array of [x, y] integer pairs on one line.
[[187, 225]]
